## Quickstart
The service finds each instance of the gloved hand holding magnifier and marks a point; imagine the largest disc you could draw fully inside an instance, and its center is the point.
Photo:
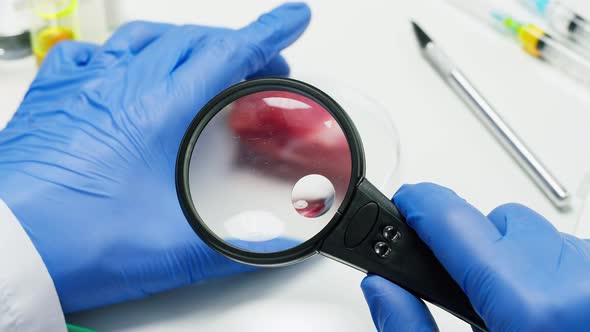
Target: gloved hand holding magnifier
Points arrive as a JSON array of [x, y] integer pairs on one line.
[[272, 171]]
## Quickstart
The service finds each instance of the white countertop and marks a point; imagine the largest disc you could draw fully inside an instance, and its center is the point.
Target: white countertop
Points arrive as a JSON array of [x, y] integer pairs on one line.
[[370, 45]]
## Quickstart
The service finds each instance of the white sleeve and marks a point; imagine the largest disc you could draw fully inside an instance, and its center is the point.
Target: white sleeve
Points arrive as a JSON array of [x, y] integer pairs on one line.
[[28, 300]]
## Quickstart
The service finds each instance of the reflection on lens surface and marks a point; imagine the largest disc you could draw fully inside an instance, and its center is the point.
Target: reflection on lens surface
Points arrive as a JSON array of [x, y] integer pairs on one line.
[[254, 226], [313, 196], [253, 163]]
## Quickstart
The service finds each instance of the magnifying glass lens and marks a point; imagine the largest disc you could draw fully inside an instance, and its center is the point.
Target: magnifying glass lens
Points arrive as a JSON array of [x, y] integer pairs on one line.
[[269, 171]]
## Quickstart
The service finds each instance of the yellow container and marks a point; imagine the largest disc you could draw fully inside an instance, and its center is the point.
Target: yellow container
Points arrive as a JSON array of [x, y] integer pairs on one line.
[[52, 22]]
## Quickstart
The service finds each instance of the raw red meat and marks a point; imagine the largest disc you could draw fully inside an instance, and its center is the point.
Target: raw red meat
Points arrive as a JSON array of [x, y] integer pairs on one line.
[[293, 132]]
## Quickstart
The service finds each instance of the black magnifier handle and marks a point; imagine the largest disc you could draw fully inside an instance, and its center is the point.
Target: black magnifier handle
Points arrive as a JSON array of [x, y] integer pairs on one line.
[[374, 237]]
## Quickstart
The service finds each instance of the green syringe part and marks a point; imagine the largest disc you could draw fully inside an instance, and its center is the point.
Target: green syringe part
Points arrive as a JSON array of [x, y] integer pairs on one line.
[[507, 22], [74, 328]]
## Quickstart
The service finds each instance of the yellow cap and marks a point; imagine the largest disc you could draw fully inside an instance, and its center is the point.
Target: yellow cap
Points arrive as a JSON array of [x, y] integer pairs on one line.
[[529, 36]]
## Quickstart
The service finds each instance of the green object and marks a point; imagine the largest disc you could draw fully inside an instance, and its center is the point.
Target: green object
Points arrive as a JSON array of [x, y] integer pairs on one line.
[[74, 328], [508, 22]]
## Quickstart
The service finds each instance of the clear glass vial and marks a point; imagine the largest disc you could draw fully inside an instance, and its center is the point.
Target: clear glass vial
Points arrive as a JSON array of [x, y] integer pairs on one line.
[[14, 33], [52, 22]]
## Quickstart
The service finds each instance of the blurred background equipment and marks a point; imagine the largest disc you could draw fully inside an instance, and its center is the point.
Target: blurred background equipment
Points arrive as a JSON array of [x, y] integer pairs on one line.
[[14, 30], [564, 20], [28, 26], [93, 20], [533, 39], [53, 21], [113, 13]]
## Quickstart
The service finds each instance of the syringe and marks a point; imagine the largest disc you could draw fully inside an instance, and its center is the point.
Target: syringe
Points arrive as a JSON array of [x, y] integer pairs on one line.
[[563, 20], [534, 40]]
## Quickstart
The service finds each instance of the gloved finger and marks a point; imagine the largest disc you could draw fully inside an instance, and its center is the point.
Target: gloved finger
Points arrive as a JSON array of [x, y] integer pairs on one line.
[[174, 47], [245, 51], [128, 40], [394, 309], [459, 235], [230, 60], [278, 66], [273, 32], [181, 44], [67, 54], [584, 250], [514, 218], [256, 45]]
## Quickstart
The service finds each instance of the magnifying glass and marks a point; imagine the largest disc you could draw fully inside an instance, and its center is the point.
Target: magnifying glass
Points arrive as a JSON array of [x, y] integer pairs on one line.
[[272, 171]]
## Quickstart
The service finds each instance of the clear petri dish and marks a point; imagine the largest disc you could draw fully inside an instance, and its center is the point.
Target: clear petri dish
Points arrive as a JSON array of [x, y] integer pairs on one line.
[[376, 127]]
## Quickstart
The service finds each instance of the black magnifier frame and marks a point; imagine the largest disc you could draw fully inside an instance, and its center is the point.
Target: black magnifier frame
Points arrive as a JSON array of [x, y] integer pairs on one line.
[[208, 112], [356, 235]]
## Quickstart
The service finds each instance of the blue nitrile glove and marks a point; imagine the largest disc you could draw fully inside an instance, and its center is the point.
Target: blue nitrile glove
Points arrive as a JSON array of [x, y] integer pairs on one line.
[[519, 272], [87, 163]]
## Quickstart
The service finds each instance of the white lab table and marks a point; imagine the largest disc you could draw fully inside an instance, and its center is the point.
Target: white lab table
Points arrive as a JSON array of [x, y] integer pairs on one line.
[[370, 45]]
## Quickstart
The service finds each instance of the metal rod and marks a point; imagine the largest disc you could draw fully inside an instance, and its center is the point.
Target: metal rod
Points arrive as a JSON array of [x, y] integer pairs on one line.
[[527, 160]]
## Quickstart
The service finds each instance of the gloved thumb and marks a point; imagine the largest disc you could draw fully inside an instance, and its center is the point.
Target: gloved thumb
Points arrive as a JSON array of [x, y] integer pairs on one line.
[[394, 309]]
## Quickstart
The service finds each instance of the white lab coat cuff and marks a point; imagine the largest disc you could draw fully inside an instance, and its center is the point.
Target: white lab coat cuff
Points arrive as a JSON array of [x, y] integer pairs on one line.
[[28, 299]]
